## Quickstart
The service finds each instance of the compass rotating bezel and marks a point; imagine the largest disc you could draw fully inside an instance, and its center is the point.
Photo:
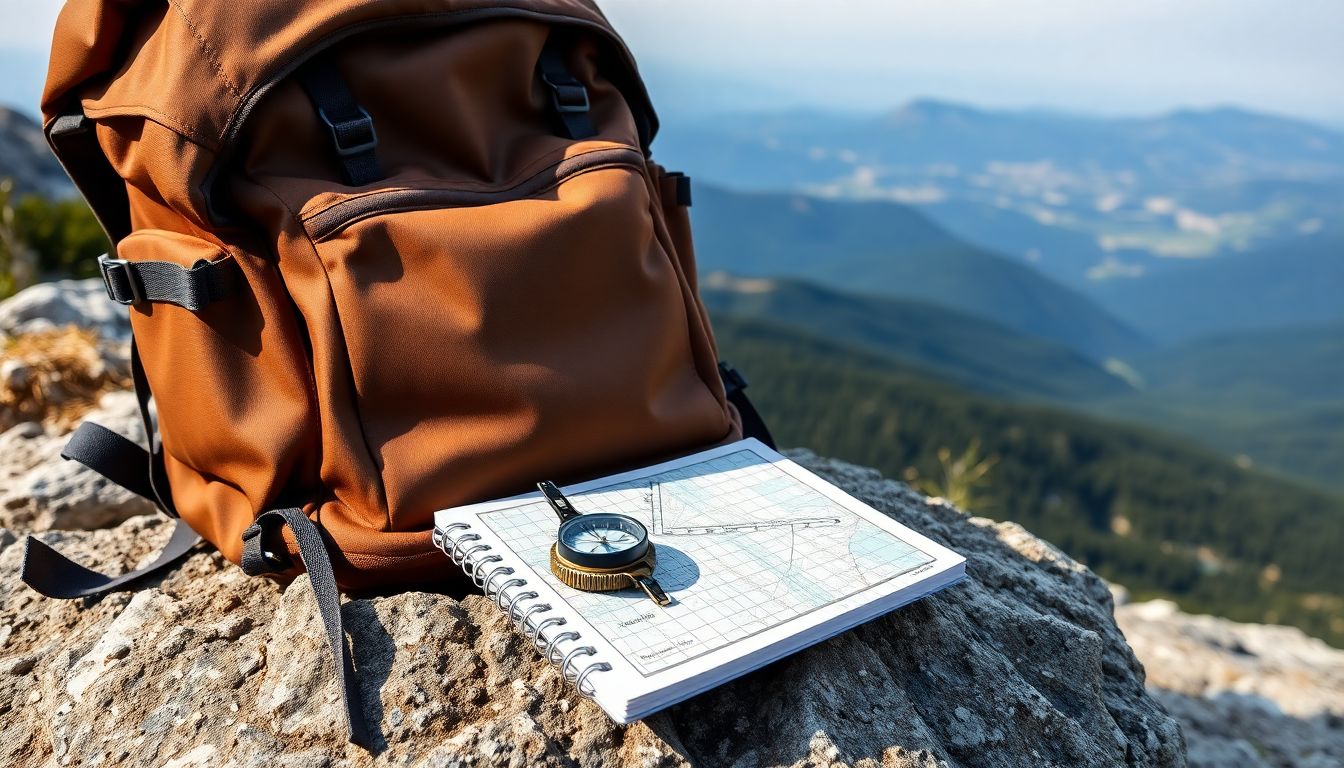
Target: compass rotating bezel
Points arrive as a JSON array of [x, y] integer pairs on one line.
[[604, 560]]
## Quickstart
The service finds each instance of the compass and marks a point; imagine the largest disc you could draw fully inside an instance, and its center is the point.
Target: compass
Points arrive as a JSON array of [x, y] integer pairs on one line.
[[601, 551]]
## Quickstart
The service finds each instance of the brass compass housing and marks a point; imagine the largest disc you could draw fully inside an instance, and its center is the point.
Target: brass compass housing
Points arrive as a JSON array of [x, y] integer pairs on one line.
[[601, 551], [636, 574]]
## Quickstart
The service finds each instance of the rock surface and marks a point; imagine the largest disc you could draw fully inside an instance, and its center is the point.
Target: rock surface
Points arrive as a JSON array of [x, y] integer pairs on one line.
[[65, 302], [1020, 665], [1247, 694], [39, 490]]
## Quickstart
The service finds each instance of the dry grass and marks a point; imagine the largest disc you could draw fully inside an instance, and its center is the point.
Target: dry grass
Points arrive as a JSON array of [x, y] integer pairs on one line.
[[54, 377]]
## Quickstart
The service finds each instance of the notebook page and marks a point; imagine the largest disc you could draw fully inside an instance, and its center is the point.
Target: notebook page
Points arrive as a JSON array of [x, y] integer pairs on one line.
[[753, 549]]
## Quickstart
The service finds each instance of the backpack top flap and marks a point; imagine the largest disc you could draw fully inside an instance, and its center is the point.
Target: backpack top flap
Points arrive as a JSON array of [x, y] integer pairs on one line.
[[197, 67]]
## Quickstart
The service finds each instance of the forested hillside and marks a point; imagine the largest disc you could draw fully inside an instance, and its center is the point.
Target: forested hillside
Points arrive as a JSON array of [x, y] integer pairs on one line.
[[964, 349], [884, 249], [1154, 513]]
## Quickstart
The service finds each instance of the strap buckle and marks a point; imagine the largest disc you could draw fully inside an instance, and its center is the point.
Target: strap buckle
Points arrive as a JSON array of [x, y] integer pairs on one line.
[[266, 560], [351, 136], [568, 95], [120, 281]]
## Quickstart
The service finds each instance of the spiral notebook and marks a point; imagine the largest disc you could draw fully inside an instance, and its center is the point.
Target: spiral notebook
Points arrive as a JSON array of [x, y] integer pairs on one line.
[[760, 557]]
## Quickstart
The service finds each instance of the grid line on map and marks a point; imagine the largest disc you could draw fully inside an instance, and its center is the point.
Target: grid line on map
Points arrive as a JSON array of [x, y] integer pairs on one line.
[[735, 582]]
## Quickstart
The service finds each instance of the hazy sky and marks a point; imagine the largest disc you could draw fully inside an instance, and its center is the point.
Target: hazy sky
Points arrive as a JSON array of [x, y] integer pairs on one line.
[[1110, 56]]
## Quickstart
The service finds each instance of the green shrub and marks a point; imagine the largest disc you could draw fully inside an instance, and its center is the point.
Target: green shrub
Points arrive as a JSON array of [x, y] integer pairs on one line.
[[42, 238]]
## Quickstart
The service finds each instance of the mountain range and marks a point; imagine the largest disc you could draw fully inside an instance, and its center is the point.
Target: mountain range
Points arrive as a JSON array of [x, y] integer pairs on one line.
[[1292, 282], [1102, 205], [974, 353], [892, 250]]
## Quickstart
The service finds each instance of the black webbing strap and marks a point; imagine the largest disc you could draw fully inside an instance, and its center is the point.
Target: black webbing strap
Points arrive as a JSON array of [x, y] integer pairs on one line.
[[263, 552], [158, 470], [734, 385], [73, 141], [569, 97], [112, 456], [351, 129], [677, 186], [120, 460], [55, 575], [132, 282], [136, 469]]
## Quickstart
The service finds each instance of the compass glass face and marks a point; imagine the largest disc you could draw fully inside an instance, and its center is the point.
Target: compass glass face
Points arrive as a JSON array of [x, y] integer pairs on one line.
[[602, 540]]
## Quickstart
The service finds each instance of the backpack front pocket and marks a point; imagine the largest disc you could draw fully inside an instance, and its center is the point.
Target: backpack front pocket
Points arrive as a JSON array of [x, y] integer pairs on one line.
[[497, 337], [235, 410]]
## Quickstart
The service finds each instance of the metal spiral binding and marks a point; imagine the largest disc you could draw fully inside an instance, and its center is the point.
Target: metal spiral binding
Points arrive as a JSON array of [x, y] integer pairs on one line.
[[484, 569]]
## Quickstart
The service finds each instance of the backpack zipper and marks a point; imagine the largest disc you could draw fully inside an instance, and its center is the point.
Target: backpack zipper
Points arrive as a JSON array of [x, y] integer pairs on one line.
[[329, 221]]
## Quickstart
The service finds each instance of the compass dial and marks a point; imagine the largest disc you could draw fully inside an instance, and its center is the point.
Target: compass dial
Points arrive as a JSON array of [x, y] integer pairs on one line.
[[603, 540]]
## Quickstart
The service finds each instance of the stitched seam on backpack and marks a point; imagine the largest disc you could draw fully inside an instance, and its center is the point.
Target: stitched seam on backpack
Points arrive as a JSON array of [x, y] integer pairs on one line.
[[209, 52], [154, 115]]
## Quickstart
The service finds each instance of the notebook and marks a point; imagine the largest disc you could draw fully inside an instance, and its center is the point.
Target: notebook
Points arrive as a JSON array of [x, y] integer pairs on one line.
[[761, 558]]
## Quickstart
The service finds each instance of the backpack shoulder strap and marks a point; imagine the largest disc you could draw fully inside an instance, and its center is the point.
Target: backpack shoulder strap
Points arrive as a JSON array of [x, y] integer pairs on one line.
[[735, 385], [73, 141]]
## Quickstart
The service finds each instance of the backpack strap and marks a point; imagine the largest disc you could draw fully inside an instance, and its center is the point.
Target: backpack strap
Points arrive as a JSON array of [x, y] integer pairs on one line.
[[55, 575], [734, 384], [353, 138], [261, 557], [569, 97], [111, 455], [194, 288], [75, 144], [136, 469]]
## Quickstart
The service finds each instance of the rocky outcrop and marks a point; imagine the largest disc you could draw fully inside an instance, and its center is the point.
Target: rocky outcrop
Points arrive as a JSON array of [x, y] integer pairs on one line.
[[25, 158], [64, 302], [1020, 665], [40, 491], [1247, 694]]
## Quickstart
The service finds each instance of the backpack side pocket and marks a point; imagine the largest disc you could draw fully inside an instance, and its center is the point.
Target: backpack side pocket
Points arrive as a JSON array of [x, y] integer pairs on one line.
[[224, 358]]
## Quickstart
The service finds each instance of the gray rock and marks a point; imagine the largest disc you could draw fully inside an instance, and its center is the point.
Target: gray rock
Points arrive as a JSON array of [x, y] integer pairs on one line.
[[1247, 694], [25, 157], [65, 302], [39, 490], [1020, 665]]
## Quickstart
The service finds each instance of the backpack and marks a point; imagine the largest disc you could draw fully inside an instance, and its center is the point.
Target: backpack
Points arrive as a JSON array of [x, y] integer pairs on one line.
[[381, 257]]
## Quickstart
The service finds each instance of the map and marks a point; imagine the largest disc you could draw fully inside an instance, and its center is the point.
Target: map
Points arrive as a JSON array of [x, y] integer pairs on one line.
[[742, 546]]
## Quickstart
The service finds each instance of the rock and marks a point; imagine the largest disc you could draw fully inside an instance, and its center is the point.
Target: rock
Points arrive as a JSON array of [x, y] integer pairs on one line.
[[65, 302], [1247, 694], [25, 158], [1020, 665], [39, 490]]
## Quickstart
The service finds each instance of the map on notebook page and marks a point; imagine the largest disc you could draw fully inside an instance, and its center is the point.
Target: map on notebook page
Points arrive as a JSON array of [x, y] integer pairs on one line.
[[752, 548]]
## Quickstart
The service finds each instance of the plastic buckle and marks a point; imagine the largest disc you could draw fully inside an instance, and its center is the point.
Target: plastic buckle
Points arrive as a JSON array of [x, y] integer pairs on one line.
[[567, 94], [109, 267], [353, 136]]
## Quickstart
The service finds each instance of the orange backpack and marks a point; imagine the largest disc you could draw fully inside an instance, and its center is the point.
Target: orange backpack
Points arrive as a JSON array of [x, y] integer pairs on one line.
[[382, 257]]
